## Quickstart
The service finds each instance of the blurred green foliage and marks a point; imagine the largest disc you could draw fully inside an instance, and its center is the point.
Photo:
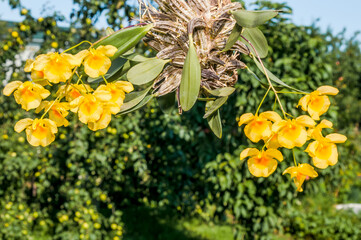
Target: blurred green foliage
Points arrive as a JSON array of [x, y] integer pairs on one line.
[[85, 184]]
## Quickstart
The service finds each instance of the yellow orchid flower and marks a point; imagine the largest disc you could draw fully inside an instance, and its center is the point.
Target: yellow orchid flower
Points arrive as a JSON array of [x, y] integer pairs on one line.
[[317, 103], [316, 133], [300, 174], [292, 133], [262, 163], [57, 113], [105, 117], [117, 91], [74, 91], [258, 127], [324, 151], [57, 67], [28, 94], [36, 76], [97, 62], [272, 142], [39, 132], [90, 106]]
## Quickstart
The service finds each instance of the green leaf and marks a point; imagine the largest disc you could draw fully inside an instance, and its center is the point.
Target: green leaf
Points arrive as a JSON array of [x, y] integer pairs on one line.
[[147, 71], [116, 66], [232, 39], [251, 19], [124, 39], [272, 76], [258, 40], [136, 57], [167, 102], [191, 78], [221, 92], [214, 122], [215, 106], [141, 104], [134, 98]]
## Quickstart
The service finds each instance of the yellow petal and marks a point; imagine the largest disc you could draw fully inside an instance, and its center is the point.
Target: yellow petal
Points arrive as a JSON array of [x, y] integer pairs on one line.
[[328, 90], [319, 163], [11, 87], [308, 170], [103, 95], [278, 125], [96, 66], [22, 124], [81, 55], [42, 105], [303, 102], [125, 86], [72, 60], [325, 124], [52, 125], [260, 170], [29, 65], [245, 118], [290, 170], [107, 50], [336, 138], [306, 121], [41, 61], [274, 153], [74, 105], [248, 152], [271, 115], [311, 148]]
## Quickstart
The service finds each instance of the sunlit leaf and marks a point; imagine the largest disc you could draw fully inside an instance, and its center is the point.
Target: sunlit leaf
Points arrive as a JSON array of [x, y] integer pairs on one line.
[[191, 78], [134, 98], [141, 104], [272, 76], [251, 19], [136, 57], [215, 124], [124, 39], [215, 106], [147, 71], [167, 102], [221, 92], [258, 40], [232, 39]]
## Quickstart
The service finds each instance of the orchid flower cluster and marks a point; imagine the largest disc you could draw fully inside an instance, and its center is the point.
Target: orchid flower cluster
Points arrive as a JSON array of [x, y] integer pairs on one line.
[[277, 132], [93, 107]]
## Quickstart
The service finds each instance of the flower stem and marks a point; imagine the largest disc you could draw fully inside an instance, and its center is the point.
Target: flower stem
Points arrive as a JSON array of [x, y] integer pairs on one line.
[[67, 50], [264, 97], [294, 157], [268, 79]]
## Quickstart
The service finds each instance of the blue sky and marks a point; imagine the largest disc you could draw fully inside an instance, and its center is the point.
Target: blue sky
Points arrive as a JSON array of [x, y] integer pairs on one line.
[[333, 14]]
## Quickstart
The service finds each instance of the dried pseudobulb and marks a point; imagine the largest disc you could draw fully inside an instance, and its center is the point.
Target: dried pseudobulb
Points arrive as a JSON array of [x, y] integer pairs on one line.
[[211, 23]]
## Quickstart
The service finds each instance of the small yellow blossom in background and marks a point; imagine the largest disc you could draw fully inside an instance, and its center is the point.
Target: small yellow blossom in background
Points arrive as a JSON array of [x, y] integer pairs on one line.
[[97, 62], [6, 47], [28, 94], [57, 67], [14, 34], [262, 163], [324, 151], [316, 103], [258, 127], [54, 45], [39, 132], [24, 11], [300, 174], [292, 133], [58, 111]]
